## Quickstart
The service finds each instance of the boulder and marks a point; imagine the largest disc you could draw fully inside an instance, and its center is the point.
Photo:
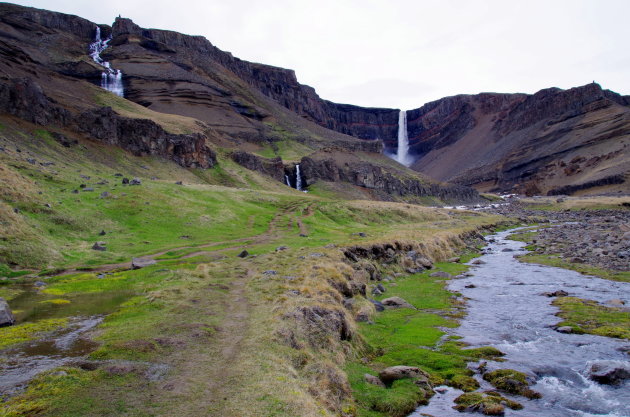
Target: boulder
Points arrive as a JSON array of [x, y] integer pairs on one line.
[[394, 373], [609, 372], [137, 263], [478, 262], [6, 316], [396, 302], [243, 254], [565, 329], [371, 379]]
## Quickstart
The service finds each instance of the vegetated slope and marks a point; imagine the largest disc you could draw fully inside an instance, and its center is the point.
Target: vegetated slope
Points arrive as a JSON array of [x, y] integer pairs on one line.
[[187, 101]]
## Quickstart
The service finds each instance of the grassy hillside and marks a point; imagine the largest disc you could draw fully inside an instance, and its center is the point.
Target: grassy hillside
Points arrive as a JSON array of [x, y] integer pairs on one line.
[[201, 332]]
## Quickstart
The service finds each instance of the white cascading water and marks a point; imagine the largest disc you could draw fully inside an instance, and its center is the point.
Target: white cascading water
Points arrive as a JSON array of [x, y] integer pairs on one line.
[[402, 155], [111, 79], [287, 180], [298, 178]]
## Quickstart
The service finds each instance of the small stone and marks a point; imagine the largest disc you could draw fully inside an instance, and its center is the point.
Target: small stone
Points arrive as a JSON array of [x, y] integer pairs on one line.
[[125, 181], [478, 262], [565, 329], [270, 272], [396, 302], [441, 274], [454, 260], [102, 233], [179, 183], [105, 194], [470, 286], [243, 254], [99, 246], [281, 248], [88, 189], [303, 235], [371, 379], [135, 181], [6, 316]]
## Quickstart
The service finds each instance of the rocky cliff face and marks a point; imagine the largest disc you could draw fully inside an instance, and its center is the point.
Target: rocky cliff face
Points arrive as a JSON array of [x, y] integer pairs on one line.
[[498, 142]]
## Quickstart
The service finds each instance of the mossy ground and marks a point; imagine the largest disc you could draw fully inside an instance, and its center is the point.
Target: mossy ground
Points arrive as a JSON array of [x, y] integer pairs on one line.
[[414, 337], [587, 316]]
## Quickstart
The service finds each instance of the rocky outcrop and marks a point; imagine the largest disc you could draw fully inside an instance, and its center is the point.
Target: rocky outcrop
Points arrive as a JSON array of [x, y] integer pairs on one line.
[[144, 137], [375, 177], [24, 98], [273, 168]]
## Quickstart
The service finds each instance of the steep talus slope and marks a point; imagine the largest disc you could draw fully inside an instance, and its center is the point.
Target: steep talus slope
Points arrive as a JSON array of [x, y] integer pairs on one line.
[[185, 100], [550, 142]]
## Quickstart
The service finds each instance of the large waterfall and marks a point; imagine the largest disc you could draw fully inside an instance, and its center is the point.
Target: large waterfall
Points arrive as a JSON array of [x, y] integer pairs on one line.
[[111, 79], [402, 155]]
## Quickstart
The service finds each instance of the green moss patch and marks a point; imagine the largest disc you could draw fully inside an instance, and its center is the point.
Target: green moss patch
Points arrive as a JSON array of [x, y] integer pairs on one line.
[[587, 316], [12, 335]]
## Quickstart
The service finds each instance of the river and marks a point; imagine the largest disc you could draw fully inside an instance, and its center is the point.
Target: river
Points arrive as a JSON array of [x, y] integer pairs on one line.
[[507, 310]]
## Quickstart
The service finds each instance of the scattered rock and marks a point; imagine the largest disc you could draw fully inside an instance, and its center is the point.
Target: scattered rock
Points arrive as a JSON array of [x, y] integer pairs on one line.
[[105, 194], [125, 181], [394, 373], [507, 250], [39, 284], [102, 233], [135, 181], [559, 293], [6, 316], [454, 260], [88, 189], [137, 263], [99, 246], [609, 372], [616, 302], [179, 183], [281, 248], [371, 379], [303, 235], [441, 274], [396, 302], [377, 305], [470, 286], [270, 272], [564, 329], [243, 254], [478, 262]]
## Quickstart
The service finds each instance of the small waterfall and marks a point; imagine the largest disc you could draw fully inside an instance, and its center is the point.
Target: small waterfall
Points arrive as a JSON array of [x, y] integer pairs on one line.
[[298, 178], [111, 79], [402, 155], [287, 180]]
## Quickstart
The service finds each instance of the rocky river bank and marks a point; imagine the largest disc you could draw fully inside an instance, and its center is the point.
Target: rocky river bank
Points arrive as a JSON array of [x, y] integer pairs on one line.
[[599, 238]]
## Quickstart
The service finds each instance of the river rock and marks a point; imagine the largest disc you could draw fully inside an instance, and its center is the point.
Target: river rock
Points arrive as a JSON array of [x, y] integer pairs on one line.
[[559, 293], [565, 329], [371, 379], [6, 316], [478, 262], [394, 373], [396, 302], [609, 372], [137, 263]]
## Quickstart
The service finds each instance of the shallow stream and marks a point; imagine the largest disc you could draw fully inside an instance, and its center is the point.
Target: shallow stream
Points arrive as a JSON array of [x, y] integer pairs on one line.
[[19, 364], [506, 310]]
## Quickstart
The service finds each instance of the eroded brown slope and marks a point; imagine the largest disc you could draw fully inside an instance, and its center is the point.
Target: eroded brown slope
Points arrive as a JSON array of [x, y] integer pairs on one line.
[[555, 141]]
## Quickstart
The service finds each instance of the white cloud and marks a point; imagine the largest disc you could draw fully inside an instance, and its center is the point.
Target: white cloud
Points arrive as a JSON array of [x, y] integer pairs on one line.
[[402, 53]]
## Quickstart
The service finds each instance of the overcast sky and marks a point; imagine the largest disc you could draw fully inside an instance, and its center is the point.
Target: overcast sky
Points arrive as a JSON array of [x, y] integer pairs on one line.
[[402, 54]]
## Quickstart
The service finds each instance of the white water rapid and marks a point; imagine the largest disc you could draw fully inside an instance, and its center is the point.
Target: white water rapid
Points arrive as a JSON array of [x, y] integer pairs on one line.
[[111, 79], [402, 155]]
